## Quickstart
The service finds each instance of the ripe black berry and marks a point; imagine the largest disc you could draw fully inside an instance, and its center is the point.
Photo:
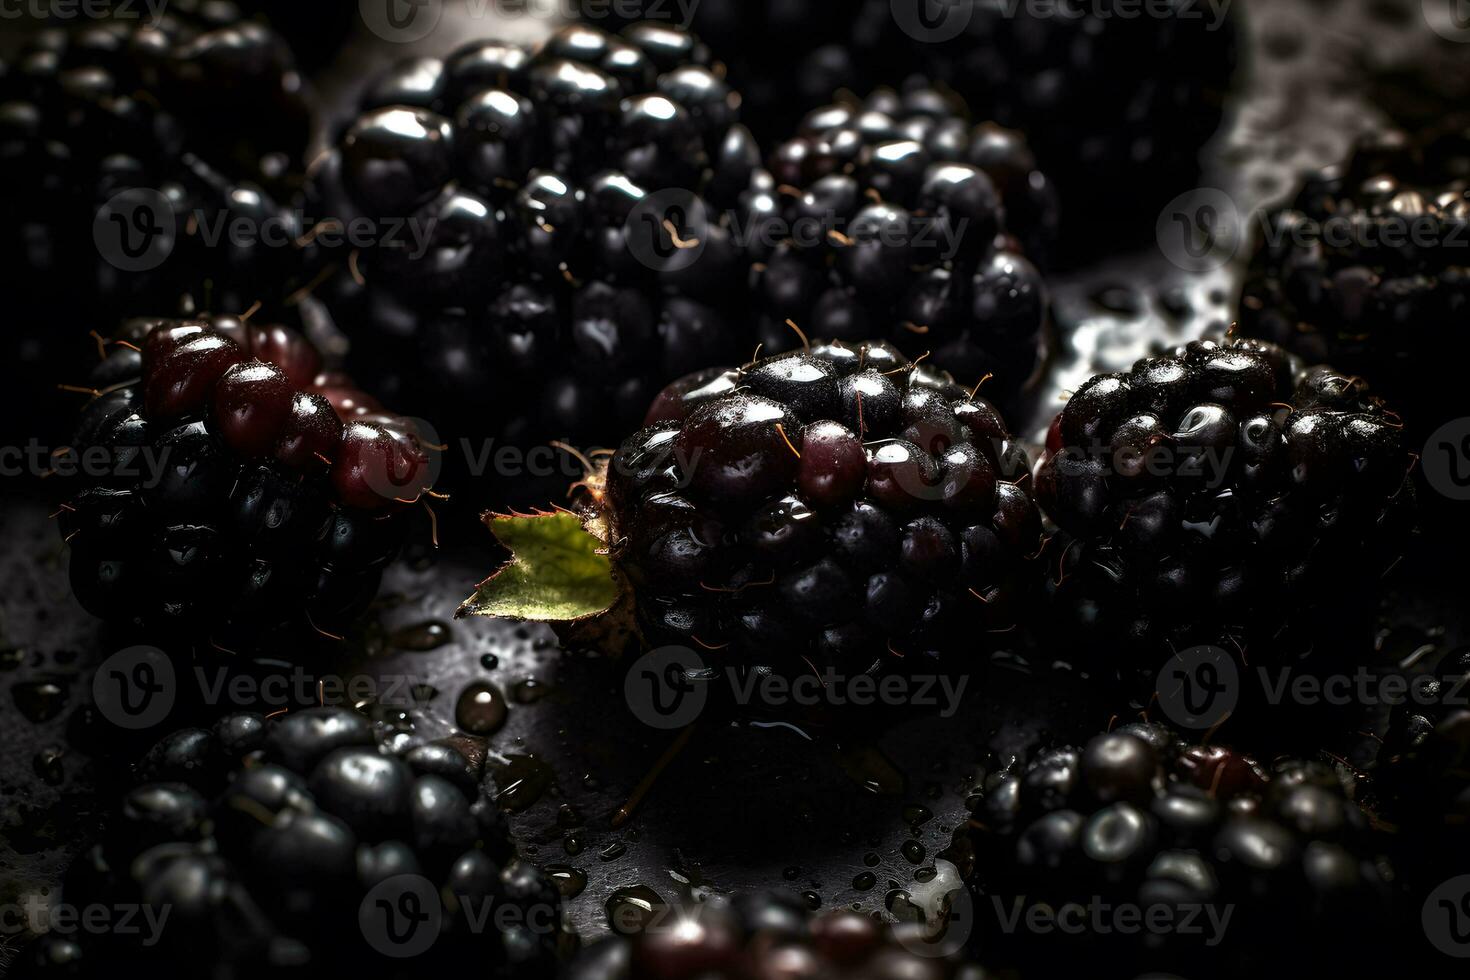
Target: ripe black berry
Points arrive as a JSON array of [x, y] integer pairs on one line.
[[1363, 270], [551, 190], [266, 843], [1223, 863], [130, 149], [767, 936], [788, 528], [1219, 495], [896, 217], [1117, 107], [242, 488], [197, 107]]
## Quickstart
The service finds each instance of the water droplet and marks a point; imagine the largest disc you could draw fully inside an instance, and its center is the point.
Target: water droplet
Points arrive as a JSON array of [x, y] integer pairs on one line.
[[570, 881], [917, 815], [39, 700], [422, 637], [47, 764], [520, 782], [613, 851], [489, 661], [631, 910], [812, 899], [865, 881], [913, 851], [481, 709], [529, 691], [925, 874], [870, 859], [897, 902], [567, 816], [573, 844]]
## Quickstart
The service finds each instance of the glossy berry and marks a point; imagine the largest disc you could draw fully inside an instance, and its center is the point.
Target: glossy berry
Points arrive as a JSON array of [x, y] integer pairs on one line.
[[1223, 495], [1362, 270], [766, 936], [896, 217], [263, 837], [756, 513], [545, 199], [1116, 107], [236, 498], [1136, 819], [199, 113]]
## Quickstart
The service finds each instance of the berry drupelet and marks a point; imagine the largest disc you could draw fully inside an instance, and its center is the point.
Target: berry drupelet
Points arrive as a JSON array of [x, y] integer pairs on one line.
[[241, 487], [1220, 494], [1229, 862], [549, 188], [1366, 270], [902, 220], [836, 508], [279, 845], [771, 936]]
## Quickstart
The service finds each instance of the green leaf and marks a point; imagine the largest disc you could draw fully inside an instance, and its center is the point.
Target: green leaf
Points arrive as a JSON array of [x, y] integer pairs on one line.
[[558, 571]]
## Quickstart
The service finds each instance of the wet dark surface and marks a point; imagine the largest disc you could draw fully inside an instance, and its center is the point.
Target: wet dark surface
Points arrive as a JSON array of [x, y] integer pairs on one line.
[[742, 806]]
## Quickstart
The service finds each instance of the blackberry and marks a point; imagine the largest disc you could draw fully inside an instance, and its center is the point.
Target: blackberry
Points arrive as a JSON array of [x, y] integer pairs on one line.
[[1223, 863], [904, 221], [224, 484], [1118, 107], [837, 508], [276, 844], [549, 186], [1365, 270], [1220, 494], [128, 150], [1422, 776], [198, 108], [766, 935]]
